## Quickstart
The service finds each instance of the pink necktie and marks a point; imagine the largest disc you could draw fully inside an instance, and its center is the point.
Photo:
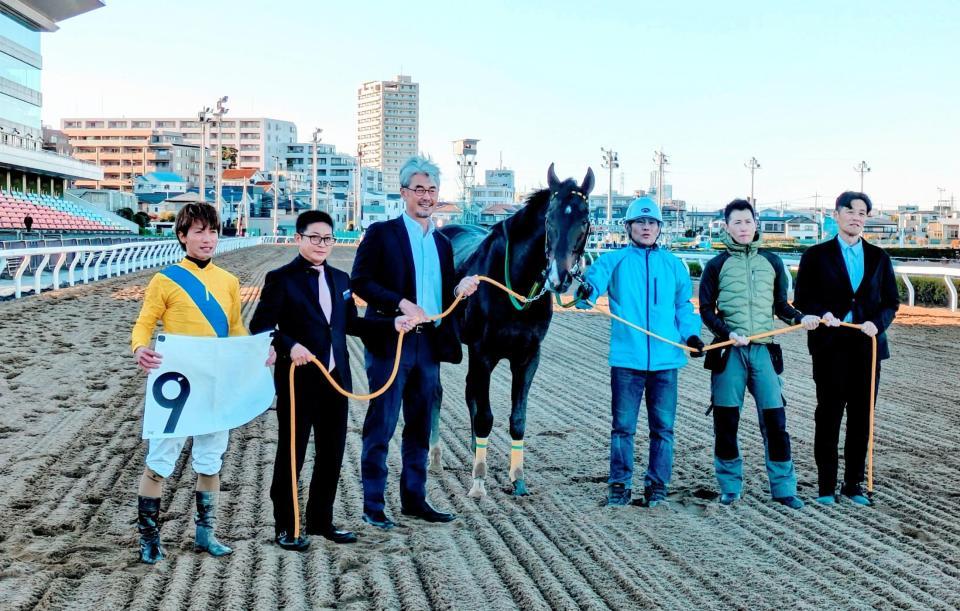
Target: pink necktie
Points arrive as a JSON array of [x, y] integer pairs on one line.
[[327, 306]]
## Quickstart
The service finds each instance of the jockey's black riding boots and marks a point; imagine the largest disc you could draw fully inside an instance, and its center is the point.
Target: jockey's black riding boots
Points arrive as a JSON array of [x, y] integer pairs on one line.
[[148, 524], [205, 519]]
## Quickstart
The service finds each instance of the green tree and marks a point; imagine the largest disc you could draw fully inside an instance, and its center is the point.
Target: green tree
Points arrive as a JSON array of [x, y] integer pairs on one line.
[[229, 154], [141, 218], [126, 213]]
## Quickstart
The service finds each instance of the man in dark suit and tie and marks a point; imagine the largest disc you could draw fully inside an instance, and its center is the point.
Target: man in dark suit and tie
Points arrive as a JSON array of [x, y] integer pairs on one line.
[[308, 304], [845, 279], [404, 266]]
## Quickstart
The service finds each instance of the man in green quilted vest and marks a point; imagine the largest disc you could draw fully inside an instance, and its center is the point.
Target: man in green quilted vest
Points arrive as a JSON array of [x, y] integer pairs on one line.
[[741, 291]]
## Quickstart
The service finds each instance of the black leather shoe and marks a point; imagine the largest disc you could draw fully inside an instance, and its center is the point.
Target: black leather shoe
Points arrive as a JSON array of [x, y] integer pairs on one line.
[[332, 534], [428, 514], [295, 544], [378, 519]]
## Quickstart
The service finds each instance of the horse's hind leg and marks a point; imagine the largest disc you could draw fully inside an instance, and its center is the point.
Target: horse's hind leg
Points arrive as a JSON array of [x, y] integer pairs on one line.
[[522, 374], [481, 416], [436, 454]]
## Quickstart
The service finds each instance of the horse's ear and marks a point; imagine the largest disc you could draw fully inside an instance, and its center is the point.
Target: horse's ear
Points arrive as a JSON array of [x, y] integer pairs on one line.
[[588, 182], [552, 181]]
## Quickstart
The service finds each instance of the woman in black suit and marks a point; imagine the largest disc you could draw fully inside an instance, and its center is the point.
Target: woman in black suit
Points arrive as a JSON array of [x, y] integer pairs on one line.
[[309, 306]]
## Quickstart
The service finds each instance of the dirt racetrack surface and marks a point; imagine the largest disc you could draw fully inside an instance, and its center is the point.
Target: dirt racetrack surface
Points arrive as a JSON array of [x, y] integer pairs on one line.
[[71, 456]]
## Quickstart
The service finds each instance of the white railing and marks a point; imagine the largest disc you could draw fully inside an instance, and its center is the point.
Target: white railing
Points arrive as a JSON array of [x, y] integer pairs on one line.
[[904, 270], [88, 263]]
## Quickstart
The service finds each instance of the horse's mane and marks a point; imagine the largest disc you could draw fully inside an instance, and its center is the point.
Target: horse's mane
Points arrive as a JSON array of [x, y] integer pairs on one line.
[[471, 241]]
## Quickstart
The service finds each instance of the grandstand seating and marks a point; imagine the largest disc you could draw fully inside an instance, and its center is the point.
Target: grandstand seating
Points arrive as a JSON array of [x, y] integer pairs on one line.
[[51, 213]]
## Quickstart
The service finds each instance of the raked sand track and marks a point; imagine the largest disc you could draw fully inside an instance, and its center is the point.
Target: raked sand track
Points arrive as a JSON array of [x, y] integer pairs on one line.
[[71, 454]]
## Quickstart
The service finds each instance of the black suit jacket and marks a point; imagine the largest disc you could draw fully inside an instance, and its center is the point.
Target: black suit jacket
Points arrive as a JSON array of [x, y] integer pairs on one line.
[[823, 285], [384, 274], [290, 306]]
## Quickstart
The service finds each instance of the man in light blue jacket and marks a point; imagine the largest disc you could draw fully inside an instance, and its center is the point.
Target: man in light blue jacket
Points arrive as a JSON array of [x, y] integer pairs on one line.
[[651, 288]]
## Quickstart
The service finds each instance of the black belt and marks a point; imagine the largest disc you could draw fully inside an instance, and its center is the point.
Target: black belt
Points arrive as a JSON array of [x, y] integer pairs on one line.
[[424, 327]]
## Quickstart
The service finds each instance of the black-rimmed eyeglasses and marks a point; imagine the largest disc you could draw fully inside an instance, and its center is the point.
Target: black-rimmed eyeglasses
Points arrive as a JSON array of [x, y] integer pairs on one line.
[[420, 191], [317, 240]]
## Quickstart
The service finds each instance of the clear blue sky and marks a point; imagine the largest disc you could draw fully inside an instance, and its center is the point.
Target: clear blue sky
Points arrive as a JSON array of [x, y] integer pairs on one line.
[[810, 90]]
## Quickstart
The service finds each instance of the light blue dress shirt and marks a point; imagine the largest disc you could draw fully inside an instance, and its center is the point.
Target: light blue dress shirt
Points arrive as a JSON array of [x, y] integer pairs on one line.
[[853, 258], [426, 263]]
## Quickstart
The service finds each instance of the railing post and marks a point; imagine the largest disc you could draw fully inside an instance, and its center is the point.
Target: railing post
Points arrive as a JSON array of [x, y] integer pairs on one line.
[[61, 259], [113, 255], [911, 295], [952, 291], [38, 274], [18, 276], [73, 265], [96, 267]]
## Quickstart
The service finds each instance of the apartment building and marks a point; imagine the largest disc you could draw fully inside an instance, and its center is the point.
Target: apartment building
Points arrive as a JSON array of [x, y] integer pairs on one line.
[[388, 126], [125, 154], [250, 142]]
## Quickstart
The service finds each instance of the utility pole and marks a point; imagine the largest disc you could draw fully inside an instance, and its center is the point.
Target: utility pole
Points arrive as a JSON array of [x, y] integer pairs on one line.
[[816, 206], [221, 110], [276, 192], [660, 158], [611, 161], [358, 191], [203, 116], [313, 180], [292, 184], [753, 165], [861, 168]]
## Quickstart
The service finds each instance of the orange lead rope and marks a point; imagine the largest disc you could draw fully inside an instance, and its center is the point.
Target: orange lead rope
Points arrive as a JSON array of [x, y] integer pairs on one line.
[[873, 400], [522, 299], [293, 456]]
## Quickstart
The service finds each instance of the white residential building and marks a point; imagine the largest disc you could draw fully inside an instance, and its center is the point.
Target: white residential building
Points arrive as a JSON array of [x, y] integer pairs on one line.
[[336, 175], [388, 126], [498, 188]]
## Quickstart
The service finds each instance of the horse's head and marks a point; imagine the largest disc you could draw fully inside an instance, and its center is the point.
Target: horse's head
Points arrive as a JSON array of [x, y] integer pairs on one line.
[[567, 226]]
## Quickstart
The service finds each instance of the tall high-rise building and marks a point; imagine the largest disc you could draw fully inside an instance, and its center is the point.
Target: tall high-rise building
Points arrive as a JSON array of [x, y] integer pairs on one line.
[[388, 126]]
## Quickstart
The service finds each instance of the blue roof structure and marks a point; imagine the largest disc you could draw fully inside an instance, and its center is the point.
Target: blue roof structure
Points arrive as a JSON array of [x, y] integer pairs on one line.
[[163, 177]]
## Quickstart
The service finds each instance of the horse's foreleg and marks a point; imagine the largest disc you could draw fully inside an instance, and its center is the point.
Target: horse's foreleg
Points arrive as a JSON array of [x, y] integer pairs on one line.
[[481, 418], [436, 454], [522, 374]]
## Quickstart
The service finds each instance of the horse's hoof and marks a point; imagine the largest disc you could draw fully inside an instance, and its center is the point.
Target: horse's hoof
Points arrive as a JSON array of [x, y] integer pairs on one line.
[[520, 488], [436, 464], [479, 489]]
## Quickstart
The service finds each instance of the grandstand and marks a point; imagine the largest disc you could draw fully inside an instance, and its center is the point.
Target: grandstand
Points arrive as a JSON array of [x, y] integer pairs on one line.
[[52, 213]]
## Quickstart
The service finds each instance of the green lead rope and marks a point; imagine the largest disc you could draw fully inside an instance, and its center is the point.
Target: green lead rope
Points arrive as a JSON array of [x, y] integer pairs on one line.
[[506, 276]]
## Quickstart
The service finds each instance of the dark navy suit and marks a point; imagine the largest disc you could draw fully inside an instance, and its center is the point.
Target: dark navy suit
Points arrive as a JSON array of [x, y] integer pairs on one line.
[[841, 356], [383, 275]]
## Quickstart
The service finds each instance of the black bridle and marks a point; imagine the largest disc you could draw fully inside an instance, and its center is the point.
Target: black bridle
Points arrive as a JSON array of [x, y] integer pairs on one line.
[[578, 251]]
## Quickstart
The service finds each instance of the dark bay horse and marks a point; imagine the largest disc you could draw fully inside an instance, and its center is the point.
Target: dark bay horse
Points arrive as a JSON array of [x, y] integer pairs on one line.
[[546, 239]]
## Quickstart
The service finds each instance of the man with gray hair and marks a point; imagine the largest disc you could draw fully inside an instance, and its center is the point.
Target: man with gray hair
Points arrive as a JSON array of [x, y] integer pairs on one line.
[[404, 266]]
